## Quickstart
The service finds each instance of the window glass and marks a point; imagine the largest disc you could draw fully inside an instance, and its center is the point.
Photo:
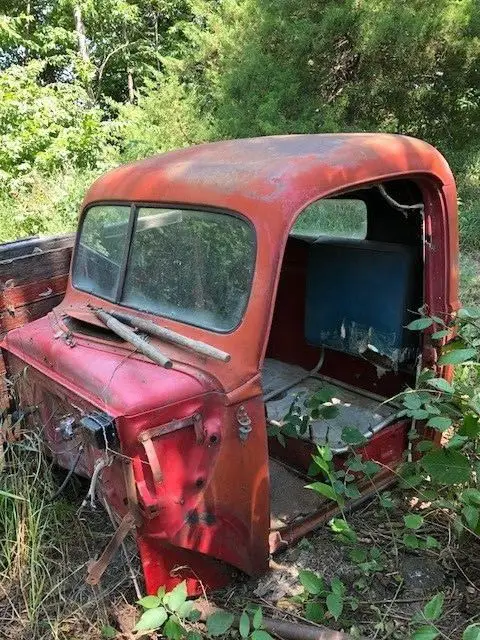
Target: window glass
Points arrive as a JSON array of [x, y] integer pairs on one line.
[[340, 217], [101, 249], [193, 266]]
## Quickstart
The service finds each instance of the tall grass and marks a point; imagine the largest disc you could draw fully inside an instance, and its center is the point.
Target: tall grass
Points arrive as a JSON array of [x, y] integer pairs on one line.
[[44, 551], [32, 558]]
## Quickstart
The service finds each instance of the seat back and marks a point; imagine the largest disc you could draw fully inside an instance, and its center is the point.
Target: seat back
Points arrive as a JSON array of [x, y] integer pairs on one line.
[[360, 295]]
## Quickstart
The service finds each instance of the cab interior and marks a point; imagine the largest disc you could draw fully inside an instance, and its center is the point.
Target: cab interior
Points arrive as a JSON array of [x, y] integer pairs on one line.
[[351, 280]]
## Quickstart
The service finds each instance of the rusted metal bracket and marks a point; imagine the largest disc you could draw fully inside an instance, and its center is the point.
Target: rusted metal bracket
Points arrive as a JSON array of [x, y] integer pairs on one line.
[[146, 438], [97, 568], [175, 425]]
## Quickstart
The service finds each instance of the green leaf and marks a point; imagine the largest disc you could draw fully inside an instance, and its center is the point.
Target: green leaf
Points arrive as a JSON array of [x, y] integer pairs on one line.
[[440, 423], [456, 442], [470, 426], [412, 400], [469, 313], [312, 583], [472, 632], [325, 452], [440, 385], [260, 634], [244, 625], [352, 491], [471, 496], [425, 633], [185, 609], [457, 356], [194, 615], [151, 619], [149, 602], [257, 619], [161, 592], [219, 623], [386, 502], [194, 635], [329, 412], [108, 632], [433, 609], [335, 605], [324, 490], [471, 515], [340, 527], [446, 467], [424, 445], [172, 629], [314, 611], [337, 586], [432, 409], [419, 324], [370, 468], [351, 435], [438, 335], [420, 414], [413, 521], [175, 598], [432, 543], [410, 541]]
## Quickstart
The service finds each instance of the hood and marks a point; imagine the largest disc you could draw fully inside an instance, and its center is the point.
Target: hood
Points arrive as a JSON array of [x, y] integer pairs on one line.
[[112, 377]]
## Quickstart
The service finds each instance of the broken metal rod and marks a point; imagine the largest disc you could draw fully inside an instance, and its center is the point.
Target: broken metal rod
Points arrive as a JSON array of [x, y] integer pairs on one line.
[[130, 336], [171, 336], [282, 628]]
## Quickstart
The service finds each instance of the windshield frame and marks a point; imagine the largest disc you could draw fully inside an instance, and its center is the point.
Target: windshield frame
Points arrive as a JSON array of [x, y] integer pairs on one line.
[[132, 219]]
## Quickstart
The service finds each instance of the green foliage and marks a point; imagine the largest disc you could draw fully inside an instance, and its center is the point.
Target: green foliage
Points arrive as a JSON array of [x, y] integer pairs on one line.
[[323, 601], [219, 623], [472, 632], [450, 470], [44, 127], [167, 611]]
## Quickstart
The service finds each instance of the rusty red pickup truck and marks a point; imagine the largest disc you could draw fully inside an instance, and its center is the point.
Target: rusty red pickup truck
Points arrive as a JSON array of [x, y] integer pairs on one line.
[[209, 288]]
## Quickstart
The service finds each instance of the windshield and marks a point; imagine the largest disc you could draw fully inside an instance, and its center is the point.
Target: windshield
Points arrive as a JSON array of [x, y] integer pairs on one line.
[[192, 266]]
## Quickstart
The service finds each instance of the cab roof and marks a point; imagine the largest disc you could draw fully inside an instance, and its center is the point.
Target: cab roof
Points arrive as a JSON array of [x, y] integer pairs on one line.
[[283, 171]]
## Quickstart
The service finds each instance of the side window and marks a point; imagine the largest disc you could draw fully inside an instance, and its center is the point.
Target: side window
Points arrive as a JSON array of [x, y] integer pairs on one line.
[[338, 217], [100, 250]]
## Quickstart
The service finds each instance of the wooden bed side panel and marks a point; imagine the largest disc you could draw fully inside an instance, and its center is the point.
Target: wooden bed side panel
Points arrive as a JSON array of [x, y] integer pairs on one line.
[[33, 280]]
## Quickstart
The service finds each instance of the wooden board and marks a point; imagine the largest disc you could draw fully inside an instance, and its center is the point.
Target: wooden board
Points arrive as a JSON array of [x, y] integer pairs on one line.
[[33, 280]]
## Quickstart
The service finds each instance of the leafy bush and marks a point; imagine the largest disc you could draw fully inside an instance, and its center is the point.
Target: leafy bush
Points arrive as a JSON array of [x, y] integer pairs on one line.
[[46, 126]]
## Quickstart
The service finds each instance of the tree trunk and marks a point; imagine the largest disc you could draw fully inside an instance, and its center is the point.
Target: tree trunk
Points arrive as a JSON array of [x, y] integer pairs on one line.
[[131, 88], [80, 31]]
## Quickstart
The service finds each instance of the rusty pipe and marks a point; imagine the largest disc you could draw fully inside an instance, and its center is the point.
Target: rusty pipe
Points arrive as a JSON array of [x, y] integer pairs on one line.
[[282, 628]]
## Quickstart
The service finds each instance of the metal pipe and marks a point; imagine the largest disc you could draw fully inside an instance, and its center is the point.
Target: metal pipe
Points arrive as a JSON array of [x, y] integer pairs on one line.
[[280, 539], [282, 628]]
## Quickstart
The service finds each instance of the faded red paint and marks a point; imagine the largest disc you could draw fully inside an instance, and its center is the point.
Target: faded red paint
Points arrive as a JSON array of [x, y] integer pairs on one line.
[[213, 501]]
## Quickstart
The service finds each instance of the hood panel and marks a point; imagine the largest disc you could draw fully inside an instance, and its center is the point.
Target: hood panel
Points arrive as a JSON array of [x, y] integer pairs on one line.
[[110, 377]]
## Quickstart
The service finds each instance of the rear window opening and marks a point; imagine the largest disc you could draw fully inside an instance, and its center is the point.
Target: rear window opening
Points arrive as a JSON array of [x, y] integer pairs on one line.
[[341, 218]]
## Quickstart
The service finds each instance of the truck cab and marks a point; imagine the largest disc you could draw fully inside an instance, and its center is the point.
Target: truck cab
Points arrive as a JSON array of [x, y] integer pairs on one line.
[[254, 275]]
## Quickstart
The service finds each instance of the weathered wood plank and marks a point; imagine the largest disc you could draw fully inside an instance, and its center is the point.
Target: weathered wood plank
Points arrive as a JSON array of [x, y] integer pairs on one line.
[[33, 245], [26, 269], [12, 298], [22, 315]]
